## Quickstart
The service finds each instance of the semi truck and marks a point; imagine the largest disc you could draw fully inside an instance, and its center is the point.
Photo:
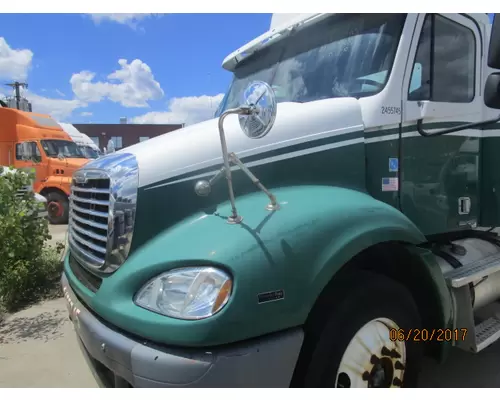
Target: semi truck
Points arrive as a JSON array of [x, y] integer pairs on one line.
[[36, 141], [334, 224], [84, 143]]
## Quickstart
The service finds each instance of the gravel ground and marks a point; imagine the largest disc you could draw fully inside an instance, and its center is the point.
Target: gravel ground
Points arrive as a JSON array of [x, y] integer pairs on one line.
[[58, 233]]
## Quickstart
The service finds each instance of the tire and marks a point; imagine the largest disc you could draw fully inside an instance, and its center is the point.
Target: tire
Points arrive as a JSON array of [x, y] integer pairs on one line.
[[57, 208], [356, 314]]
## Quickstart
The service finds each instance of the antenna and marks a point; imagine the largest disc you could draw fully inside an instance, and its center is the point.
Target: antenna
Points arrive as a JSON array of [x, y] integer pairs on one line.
[[16, 85]]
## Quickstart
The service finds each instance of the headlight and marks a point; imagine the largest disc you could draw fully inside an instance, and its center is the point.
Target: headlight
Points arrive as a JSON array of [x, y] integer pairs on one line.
[[186, 293]]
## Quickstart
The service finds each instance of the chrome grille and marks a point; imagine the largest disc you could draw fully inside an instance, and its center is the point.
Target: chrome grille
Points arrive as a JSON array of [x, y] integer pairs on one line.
[[102, 211], [89, 216], [21, 192]]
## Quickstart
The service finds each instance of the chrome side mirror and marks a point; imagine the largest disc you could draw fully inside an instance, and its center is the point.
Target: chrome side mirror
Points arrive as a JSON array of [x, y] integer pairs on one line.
[[260, 99], [256, 116]]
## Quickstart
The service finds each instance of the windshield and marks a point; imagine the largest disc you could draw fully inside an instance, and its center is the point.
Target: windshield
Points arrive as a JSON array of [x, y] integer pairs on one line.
[[346, 55], [64, 148], [89, 152]]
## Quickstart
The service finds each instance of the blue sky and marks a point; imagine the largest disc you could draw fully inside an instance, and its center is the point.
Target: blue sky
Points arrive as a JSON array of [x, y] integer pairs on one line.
[[100, 67], [67, 60]]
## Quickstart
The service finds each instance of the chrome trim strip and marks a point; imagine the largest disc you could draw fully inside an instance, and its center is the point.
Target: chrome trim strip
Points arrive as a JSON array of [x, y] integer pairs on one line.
[[83, 257], [90, 201], [88, 222], [86, 190], [89, 233], [88, 211], [86, 242]]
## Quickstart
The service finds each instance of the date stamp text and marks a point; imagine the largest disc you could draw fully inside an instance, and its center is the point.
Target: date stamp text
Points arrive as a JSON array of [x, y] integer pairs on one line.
[[428, 335]]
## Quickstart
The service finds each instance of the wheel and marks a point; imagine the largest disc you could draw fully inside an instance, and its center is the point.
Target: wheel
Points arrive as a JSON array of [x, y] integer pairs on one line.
[[57, 208], [353, 346]]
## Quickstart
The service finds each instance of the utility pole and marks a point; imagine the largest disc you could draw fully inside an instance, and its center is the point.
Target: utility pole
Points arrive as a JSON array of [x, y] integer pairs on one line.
[[16, 85]]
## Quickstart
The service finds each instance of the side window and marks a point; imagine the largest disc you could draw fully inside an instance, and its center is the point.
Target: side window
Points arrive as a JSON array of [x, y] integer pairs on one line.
[[28, 151], [20, 151], [444, 69], [416, 77], [117, 140]]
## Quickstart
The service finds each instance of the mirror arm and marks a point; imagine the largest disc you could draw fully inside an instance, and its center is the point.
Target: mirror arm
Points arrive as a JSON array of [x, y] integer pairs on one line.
[[234, 218], [424, 133], [274, 204], [217, 176]]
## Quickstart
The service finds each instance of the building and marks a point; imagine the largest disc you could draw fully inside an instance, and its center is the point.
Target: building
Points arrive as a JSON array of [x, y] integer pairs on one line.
[[124, 134]]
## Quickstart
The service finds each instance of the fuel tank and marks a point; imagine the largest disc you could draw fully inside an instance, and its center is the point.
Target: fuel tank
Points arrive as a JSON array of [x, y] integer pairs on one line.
[[465, 251]]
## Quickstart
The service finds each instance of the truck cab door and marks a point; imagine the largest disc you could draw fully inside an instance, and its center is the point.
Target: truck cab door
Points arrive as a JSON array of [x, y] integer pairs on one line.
[[28, 157], [442, 88]]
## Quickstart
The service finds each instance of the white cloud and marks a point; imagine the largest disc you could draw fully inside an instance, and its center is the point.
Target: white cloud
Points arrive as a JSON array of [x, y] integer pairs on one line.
[[86, 114], [136, 87], [14, 63], [187, 110], [131, 20], [58, 109], [132, 85]]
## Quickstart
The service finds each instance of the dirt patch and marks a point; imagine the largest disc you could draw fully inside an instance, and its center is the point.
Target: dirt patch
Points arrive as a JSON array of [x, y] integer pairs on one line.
[[44, 327]]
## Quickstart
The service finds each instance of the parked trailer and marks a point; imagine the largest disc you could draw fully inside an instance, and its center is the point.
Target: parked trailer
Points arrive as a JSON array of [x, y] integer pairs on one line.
[[337, 219], [84, 143]]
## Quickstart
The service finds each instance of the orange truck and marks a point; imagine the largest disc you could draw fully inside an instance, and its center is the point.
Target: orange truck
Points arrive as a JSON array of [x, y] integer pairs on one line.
[[36, 141]]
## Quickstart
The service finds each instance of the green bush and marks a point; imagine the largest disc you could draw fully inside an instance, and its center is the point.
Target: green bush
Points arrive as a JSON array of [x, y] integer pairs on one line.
[[28, 269]]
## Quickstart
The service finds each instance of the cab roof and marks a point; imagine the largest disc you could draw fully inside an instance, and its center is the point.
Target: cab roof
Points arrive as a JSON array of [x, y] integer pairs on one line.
[[282, 24], [15, 122]]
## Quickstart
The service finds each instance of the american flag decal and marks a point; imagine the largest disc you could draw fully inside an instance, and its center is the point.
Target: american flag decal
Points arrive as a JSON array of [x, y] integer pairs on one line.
[[390, 184]]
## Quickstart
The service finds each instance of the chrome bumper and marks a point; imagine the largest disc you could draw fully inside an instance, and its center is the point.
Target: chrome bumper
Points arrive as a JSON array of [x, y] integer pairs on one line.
[[117, 360]]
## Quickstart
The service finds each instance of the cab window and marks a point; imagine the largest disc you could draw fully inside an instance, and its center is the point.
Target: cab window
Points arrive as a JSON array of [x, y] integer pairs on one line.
[[28, 151], [444, 68]]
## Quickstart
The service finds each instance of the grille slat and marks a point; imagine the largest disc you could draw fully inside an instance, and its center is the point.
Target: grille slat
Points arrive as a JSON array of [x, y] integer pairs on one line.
[[90, 234], [90, 201], [83, 252], [93, 224], [89, 211], [21, 192], [92, 190], [87, 243]]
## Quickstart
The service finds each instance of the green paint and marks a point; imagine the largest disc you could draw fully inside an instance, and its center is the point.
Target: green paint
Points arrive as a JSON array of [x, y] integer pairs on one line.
[[163, 206], [436, 172], [298, 249], [490, 182], [377, 167]]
